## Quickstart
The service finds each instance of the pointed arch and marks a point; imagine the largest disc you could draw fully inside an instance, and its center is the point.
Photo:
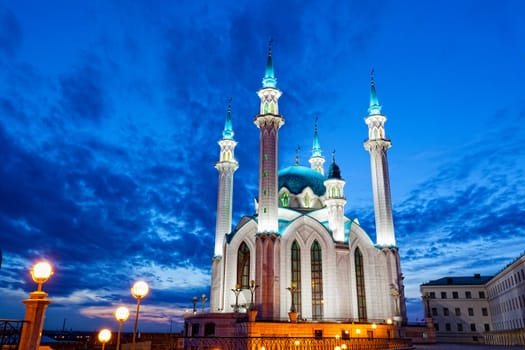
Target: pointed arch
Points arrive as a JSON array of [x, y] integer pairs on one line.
[[317, 280], [296, 274], [243, 266], [360, 285]]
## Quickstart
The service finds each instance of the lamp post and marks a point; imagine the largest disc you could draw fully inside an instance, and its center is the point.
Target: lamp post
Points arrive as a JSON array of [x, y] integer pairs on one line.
[[121, 314], [203, 302], [253, 287], [104, 336], [35, 308], [236, 291], [194, 301], [139, 290]]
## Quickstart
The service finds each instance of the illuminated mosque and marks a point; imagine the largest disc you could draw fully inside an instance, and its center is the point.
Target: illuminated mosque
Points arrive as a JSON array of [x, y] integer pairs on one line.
[[299, 259]]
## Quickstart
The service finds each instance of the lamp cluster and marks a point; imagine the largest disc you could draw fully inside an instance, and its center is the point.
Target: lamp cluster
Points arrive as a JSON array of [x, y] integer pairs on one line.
[[40, 273]]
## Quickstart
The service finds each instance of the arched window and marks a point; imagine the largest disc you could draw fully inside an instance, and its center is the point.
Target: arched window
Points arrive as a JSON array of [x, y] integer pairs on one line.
[[243, 266], [285, 200], [360, 285], [306, 200], [265, 108], [317, 281], [296, 275]]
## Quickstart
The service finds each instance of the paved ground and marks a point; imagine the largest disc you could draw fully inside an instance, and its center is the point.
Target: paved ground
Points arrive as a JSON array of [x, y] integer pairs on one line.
[[465, 347]]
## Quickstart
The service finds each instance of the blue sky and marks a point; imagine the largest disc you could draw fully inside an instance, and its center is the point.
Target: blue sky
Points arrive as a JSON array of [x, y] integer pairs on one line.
[[110, 112]]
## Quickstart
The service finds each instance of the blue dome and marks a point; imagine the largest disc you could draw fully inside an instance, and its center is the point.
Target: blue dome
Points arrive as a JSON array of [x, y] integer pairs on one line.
[[297, 177]]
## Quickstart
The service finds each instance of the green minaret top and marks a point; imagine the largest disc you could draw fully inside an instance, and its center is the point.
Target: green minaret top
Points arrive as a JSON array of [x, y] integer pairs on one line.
[[227, 133], [316, 147], [269, 79], [375, 107]]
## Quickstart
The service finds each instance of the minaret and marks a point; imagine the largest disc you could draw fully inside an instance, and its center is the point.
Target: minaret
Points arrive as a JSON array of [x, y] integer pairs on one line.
[[377, 144], [335, 201], [317, 159], [268, 121], [267, 267], [226, 167]]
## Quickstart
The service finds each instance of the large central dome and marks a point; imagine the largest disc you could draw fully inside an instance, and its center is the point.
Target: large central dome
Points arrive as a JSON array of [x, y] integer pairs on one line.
[[297, 177]]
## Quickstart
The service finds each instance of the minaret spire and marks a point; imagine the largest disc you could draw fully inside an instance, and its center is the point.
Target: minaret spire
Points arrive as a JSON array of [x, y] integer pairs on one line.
[[269, 79], [377, 144], [316, 160], [374, 107], [227, 133]]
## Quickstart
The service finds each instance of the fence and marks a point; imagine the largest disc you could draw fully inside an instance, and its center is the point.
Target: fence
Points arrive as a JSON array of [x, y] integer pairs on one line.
[[294, 343], [10, 331]]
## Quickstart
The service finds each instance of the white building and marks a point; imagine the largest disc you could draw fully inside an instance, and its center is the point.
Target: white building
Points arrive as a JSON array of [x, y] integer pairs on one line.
[[479, 309], [299, 244], [459, 308]]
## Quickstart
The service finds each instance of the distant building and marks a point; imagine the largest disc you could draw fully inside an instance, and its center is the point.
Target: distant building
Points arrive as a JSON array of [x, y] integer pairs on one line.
[[485, 309], [298, 257], [459, 308]]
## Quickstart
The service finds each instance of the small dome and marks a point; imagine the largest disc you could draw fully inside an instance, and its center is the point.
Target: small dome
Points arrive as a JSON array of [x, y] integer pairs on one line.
[[334, 172], [297, 177]]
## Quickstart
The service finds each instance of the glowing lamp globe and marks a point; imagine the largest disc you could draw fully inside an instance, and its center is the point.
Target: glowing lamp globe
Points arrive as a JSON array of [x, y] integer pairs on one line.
[[41, 272], [104, 335], [122, 314], [140, 289]]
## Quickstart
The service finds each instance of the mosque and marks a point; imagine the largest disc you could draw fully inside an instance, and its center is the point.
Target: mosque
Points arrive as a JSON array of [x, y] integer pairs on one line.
[[299, 259]]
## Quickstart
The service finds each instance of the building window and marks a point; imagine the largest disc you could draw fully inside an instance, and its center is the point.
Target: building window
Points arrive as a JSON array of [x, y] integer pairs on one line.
[[209, 329], [459, 327], [432, 295], [455, 295], [436, 326], [318, 334], [265, 173], [470, 311], [487, 327], [243, 266], [457, 311], [481, 294], [195, 330], [317, 281], [434, 311], [296, 275], [473, 327], [360, 285], [447, 327], [265, 156], [468, 295], [445, 311], [265, 191], [443, 295], [345, 334], [484, 311]]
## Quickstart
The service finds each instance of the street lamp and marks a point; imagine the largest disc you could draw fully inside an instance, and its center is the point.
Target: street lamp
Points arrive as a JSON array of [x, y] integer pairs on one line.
[[121, 314], [236, 291], [104, 336], [139, 290], [35, 307]]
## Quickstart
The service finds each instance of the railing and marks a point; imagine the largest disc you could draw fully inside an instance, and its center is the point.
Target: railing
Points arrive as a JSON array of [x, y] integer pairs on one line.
[[10, 331], [294, 343]]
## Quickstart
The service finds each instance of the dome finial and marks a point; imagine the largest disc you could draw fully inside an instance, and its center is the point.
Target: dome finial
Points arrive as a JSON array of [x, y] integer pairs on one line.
[[269, 79], [374, 107], [297, 154], [228, 133], [333, 156]]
